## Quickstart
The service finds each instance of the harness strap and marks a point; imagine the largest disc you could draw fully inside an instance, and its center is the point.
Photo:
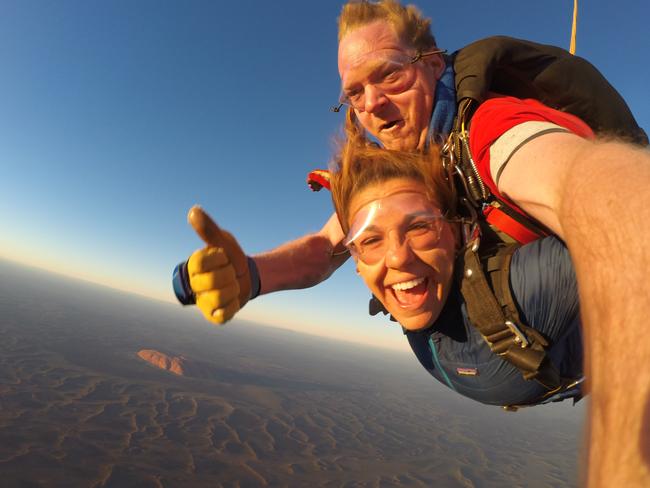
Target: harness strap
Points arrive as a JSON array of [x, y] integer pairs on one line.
[[512, 223], [499, 323], [485, 267]]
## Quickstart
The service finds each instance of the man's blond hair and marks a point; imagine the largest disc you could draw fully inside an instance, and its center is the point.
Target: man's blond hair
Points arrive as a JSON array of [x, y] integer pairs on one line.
[[413, 29]]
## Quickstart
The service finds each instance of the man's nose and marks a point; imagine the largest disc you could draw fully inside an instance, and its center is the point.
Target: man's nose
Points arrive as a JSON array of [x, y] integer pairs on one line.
[[374, 98]]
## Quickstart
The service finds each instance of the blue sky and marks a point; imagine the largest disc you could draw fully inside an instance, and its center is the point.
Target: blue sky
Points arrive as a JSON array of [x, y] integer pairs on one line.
[[118, 116]]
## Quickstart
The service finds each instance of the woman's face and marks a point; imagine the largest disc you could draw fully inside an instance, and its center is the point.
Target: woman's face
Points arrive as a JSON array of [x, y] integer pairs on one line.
[[403, 248]]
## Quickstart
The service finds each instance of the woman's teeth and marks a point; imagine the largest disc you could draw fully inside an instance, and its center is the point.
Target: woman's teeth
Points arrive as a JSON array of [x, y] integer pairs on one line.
[[407, 285]]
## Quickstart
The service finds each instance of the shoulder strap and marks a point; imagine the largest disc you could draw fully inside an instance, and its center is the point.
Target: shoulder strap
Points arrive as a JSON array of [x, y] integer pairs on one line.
[[549, 74], [485, 286], [526, 69], [462, 172]]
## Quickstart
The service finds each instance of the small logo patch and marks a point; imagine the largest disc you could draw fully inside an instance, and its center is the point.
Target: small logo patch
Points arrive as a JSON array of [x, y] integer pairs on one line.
[[467, 371]]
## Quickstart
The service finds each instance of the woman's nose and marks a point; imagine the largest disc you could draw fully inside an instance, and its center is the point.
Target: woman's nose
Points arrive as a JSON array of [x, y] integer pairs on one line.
[[398, 252]]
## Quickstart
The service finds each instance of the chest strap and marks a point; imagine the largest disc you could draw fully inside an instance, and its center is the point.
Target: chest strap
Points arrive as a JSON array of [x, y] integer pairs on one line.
[[498, 321]]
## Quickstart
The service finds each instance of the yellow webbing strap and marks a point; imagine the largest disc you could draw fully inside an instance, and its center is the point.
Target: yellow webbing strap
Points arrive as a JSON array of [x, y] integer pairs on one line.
[[574, 28]]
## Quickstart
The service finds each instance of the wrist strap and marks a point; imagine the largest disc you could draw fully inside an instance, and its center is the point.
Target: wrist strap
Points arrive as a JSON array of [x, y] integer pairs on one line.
[[256, 282], [181, 285]]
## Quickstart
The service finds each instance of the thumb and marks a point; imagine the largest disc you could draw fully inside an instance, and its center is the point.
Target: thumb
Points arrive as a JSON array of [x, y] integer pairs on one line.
[[214, 236], [205, 227]]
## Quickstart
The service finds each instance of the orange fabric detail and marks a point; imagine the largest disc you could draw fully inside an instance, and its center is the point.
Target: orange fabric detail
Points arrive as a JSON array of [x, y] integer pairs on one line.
[[510, 226]]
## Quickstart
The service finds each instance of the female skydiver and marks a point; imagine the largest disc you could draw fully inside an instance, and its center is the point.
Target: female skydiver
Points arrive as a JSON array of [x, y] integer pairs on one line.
[[402, 229]]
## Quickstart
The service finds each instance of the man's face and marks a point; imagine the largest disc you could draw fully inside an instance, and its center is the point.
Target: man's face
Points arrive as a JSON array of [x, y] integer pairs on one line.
[[407, 264], [399, 120]]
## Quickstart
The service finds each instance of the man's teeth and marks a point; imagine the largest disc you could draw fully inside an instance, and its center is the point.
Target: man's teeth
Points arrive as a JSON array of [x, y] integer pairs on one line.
[[388, 125], [407, 285]]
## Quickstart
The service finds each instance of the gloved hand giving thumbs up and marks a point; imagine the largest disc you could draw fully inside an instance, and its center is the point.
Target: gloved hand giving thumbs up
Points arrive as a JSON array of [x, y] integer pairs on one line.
[[218, 277]]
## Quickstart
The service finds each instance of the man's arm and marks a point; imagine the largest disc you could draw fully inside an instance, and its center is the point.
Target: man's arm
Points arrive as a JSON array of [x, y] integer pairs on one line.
[[304, 262], [596, 196], [222, 279]]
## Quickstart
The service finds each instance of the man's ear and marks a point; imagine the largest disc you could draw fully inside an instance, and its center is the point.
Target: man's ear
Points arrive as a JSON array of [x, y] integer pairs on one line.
[[437, 65]]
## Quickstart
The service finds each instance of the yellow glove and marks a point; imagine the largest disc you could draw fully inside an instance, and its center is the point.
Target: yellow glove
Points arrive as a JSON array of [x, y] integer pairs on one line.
[[219, 274]]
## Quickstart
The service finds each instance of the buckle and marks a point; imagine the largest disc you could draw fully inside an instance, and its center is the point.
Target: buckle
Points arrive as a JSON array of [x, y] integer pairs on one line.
[[520, 337]]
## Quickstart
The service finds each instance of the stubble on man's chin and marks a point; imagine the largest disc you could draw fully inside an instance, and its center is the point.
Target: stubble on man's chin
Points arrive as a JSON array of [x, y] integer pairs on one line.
[[407, 144], [401, 144]]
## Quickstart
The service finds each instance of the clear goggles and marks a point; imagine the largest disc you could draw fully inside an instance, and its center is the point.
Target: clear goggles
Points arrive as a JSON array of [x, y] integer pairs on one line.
[[389, 73], [388, 223]]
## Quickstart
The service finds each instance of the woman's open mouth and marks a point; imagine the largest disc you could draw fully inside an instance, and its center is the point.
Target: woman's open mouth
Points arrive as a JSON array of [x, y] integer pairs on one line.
[[411, 294]]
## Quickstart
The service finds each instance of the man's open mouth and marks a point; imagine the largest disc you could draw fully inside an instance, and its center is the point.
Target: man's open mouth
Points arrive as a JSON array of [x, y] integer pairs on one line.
[[390, 125]]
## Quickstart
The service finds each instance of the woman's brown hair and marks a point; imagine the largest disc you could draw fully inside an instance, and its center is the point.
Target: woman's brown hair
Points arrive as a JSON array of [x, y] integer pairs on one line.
[[361, 164]]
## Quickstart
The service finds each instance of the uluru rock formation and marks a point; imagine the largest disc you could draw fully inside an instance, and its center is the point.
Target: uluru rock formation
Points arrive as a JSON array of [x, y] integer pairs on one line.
[[179, 365], [161, 360]]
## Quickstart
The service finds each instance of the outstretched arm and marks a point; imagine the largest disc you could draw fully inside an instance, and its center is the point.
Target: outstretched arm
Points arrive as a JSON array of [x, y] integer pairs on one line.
[[596, 196], [304, 262], [221, 279]]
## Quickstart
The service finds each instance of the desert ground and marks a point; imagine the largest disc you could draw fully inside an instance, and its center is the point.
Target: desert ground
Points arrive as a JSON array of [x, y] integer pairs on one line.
[[266, 407]]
